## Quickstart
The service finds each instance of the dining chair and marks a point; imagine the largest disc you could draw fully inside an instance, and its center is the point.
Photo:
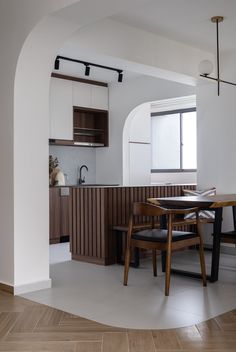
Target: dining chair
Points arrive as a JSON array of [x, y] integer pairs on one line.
[[166, 240]]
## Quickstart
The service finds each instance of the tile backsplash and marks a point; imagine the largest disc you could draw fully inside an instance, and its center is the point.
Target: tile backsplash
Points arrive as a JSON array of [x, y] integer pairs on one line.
[[71, 158]]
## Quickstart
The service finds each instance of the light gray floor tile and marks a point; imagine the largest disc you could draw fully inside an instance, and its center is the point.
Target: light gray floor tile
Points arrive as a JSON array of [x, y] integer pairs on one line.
[[96, 292]]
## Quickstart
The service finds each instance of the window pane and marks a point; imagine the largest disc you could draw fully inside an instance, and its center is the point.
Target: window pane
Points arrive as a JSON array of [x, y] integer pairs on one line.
[[189, 130], [166, 142]]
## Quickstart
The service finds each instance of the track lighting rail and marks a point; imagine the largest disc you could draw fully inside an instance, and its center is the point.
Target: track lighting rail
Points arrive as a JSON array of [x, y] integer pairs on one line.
[[87, 66]]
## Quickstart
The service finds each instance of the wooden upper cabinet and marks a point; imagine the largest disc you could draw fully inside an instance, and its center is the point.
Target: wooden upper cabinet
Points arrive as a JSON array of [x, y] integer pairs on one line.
[[61, 109]]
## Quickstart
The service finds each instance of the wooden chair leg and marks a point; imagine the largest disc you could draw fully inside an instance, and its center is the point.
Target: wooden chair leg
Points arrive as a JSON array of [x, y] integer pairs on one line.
[[126, 267], [202, 262], [168, 269], [154, 262]]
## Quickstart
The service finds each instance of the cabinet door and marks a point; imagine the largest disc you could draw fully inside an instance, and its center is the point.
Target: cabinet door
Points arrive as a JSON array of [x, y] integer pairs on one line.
[[140, 127], [140, 164], [61, 110], [54, 215], [81, 94], [99, 98], [60, 213]]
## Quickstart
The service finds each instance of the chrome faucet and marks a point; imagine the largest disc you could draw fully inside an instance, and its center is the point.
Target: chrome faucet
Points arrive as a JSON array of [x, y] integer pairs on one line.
[[81, 179]]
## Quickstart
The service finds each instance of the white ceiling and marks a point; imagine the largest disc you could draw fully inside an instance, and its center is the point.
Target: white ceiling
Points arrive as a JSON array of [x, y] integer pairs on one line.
[[187, 21]]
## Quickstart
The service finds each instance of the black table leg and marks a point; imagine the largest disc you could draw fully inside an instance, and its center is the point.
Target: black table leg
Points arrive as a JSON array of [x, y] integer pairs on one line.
[[216, 245]]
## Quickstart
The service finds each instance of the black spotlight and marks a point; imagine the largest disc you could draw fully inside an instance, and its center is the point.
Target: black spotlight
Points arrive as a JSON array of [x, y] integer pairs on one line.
[[56, 64], [87, 70], [120, 76]]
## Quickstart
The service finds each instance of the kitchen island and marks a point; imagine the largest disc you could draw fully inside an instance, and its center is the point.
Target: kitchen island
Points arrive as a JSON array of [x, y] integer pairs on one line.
[[97, 209]]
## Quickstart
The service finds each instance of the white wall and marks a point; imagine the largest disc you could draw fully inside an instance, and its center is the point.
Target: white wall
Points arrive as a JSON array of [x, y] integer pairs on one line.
[[123, 98], [29, 43], [72, 158], [17, 18], [138, 51], [216, 133]]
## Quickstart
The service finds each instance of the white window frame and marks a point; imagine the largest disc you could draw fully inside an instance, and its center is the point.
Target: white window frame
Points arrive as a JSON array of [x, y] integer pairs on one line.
[[173, 106]]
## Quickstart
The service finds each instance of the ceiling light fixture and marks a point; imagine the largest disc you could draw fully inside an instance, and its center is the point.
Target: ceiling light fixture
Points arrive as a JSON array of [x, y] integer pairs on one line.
[[206, 66], [56, 64], [87, 70], [87, 66], [120, 76]]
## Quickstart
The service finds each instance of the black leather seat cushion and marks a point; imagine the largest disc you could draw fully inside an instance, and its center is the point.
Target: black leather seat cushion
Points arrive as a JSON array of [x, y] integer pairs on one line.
[[158, 235], [229, 234]]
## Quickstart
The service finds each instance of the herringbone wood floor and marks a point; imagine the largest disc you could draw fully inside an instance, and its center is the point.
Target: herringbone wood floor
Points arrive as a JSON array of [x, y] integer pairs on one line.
[[29, 326]]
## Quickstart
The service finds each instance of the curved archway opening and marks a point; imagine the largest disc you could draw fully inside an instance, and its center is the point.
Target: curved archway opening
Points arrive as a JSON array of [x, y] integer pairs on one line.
[[30, 203]]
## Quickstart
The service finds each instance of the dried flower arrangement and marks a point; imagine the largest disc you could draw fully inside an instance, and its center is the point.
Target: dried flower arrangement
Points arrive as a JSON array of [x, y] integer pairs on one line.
[[53, 164]]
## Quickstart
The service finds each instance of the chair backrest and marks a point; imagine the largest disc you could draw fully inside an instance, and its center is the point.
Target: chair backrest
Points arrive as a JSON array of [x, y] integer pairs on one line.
[[147, 209]]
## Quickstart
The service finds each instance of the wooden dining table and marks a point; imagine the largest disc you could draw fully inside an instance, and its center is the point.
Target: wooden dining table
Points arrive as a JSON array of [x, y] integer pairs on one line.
[[215, 203]]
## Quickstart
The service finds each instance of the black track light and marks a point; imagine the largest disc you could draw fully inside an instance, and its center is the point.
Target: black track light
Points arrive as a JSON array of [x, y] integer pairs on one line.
[[87, 70], [56, 64], [120, 76], [87, 66]]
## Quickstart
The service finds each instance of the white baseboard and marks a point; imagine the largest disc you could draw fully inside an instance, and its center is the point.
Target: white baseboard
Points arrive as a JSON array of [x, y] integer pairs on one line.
[[32, 286]]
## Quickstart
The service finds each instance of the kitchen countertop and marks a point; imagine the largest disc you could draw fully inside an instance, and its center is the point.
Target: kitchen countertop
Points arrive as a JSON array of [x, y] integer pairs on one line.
[[105, 185]]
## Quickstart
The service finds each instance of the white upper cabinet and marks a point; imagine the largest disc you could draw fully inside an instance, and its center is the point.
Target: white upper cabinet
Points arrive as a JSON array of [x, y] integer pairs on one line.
[[99, 97], [82, 94], [90, 96], [61, 109]]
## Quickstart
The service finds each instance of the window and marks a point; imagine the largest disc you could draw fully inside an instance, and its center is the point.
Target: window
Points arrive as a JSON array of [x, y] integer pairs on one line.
[[174, 141]]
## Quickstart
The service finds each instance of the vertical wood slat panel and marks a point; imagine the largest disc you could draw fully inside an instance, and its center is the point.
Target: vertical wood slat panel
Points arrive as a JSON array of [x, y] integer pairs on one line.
[[94, 224], [110, 236], [123, 198], [104, 243], [119, 219], [82, 228], [99, 209], [70, 217], [85, 219], [98, 215], [78, 220], [90, 223], [73, 243]]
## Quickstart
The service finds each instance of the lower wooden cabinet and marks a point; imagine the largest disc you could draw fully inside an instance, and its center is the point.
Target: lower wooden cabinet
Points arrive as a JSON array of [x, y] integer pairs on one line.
[[60, 214]]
